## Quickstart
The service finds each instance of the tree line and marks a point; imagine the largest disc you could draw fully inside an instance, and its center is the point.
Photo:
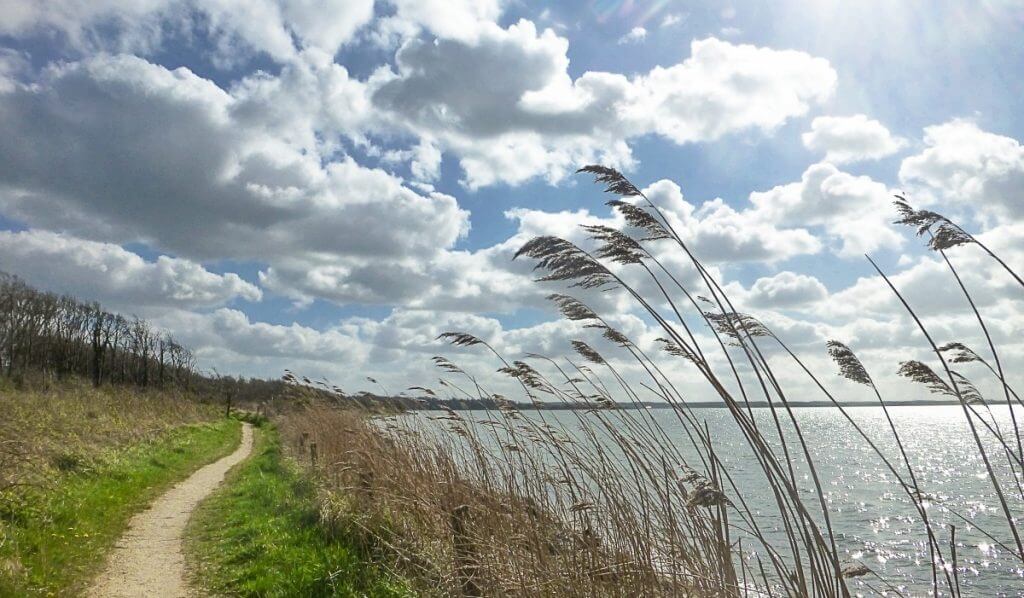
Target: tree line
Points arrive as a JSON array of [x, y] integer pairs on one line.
[[63, 336]]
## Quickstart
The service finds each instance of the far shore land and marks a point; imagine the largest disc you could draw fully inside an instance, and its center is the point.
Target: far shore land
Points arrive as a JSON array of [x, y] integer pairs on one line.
[[433, 404]]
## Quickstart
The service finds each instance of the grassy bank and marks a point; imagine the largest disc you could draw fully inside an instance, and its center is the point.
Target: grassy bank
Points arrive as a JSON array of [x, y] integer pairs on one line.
[[450, 517], [261, 535], [46, 426], [56, 531]]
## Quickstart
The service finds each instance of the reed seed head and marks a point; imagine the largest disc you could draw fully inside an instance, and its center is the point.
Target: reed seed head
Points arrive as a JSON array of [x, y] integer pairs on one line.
[[564, 261], [613, 180], [587, 352], [572, 308], [640, 218], [615, 245], [850, 367], [460, 339], [961, 353], [733, 324], [673, 348], [944, 232]]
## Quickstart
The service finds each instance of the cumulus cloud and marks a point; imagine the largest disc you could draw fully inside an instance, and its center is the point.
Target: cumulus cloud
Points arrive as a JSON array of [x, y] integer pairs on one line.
[[851, 139], [724, 87], [723, 234], [635, 36], [450, 19], [447, 90], [395, 349], [929, 286], [228, 335], [171, 160], [786, 290], [115, 276], [445, 93], [535, 120], [269, 26], [291, 171], [970, 169], [854, 210]]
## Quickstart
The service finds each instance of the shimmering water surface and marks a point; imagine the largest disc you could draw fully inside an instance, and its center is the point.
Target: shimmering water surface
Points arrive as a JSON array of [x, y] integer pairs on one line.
[[874, 521]]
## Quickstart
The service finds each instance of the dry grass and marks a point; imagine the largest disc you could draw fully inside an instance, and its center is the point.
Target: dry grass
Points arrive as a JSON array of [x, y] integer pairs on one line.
[[458, 519], [49, 426]]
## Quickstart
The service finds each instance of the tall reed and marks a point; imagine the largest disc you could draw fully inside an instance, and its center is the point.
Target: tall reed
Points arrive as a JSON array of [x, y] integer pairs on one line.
[[605, 500]]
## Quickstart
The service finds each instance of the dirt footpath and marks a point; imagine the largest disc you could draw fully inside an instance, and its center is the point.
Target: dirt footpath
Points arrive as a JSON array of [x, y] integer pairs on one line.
[[148, 560]]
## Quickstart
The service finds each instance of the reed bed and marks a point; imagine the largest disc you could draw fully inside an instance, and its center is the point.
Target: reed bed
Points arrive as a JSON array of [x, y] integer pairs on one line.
[[446, 512], [521, 504]]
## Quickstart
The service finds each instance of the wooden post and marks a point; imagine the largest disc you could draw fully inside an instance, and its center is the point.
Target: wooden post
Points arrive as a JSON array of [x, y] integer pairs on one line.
[[312, 455], [465, 561], [302, 440]]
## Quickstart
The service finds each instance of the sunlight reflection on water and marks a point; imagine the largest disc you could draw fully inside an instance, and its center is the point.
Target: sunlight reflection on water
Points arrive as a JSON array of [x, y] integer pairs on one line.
[[874, 520]]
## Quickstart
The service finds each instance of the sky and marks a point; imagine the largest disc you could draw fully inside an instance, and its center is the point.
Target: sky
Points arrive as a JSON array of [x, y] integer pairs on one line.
[[327, 186]]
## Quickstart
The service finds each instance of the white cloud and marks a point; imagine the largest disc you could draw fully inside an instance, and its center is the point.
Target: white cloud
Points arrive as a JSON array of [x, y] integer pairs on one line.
[[450, 19], [722, 88], [716, 232], [173, 161], [673, 19], [395, 349], [270, 26], [114, 276], [635, 36], [722, 234], [970, 169], [788, 220], [264, 171], [228, 335], [446, 94], [854, 210], [535, 120], [930, 287], [786, 290], [851, 139], [324, 25], [76, 20]]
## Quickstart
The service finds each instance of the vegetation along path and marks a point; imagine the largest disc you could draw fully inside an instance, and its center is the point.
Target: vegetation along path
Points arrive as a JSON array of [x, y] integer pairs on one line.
[[149, 560]]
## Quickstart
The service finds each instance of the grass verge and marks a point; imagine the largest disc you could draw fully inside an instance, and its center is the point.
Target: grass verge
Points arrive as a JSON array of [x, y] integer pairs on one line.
[[260, 535], [54, 536]]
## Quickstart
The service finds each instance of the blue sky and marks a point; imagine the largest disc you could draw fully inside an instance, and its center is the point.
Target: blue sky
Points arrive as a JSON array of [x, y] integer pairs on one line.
[[327, 186]]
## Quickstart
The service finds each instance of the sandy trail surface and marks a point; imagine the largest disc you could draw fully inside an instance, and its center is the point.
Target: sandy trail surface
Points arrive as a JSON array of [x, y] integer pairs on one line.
[[149, 560]]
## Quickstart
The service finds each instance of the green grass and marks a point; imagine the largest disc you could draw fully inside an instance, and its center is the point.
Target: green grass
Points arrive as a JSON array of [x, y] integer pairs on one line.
[[54, 537], [259, 535]]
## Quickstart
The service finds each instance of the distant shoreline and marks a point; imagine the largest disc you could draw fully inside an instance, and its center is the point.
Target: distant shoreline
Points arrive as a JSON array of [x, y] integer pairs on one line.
[[805, 403], [480, 406]]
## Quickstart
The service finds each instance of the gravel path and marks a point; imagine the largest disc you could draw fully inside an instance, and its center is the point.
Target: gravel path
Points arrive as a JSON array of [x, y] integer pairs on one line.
[[148, 560]]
